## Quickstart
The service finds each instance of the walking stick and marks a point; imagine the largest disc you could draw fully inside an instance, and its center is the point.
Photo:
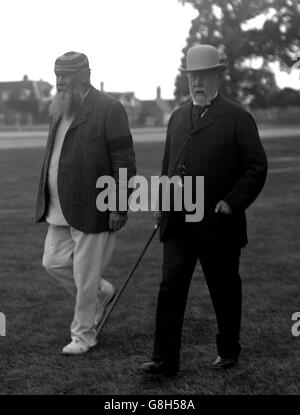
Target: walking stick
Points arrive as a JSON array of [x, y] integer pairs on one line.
[[117, 296]]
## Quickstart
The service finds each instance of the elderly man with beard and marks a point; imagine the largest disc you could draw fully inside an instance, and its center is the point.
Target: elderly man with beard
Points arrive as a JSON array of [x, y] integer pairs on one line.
[[88, 138], [213, 137]]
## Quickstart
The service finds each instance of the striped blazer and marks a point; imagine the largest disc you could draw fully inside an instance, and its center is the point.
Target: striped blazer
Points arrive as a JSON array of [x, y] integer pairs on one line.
[[97, 143]]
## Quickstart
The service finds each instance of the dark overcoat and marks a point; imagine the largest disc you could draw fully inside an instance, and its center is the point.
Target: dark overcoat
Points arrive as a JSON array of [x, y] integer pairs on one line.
[[97, 143], [223, 146]]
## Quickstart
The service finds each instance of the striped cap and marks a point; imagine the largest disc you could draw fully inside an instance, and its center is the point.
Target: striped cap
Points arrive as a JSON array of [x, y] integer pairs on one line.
[[71, 62]]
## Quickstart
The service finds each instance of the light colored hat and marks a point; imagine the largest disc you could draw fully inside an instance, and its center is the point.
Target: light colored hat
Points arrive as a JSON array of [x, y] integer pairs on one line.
[[201, 57]]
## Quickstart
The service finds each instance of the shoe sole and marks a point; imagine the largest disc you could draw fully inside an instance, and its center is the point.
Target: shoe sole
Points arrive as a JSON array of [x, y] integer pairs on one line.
[[75, 354], [159, 372], [224, 367]]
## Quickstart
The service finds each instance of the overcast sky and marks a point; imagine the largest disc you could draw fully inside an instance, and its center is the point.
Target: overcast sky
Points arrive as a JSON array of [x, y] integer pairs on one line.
[[132, 45]]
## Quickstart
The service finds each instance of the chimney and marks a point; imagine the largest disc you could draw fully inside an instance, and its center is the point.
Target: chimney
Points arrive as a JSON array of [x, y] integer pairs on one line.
[[158, 92], [25, 78], [102, 86]]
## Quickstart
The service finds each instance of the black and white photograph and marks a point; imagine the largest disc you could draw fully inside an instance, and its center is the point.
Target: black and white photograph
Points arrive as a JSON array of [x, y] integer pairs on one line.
[[150, 200]]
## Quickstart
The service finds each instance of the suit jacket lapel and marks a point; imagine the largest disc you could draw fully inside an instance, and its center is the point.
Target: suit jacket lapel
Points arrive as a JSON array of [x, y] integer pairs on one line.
[[85, 109], [183, 125], [79, 119], [50, 141], [186, 119]]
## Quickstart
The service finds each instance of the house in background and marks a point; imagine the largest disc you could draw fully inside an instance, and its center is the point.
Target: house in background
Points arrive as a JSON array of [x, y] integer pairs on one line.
[[157, 112], [131, 104], [145, 113], [24, 102]]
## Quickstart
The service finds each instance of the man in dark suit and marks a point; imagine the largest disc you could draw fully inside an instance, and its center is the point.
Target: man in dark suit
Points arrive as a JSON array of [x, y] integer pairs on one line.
[[213, 137], [89, 138]]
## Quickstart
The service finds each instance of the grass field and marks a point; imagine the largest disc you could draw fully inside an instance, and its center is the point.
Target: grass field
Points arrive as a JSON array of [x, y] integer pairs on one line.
[[39, 312]]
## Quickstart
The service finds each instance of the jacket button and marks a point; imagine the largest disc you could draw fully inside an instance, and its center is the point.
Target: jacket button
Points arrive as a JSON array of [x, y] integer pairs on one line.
[[189, 137]]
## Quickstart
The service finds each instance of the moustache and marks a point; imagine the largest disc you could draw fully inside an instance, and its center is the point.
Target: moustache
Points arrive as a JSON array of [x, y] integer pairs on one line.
[[199, 89]]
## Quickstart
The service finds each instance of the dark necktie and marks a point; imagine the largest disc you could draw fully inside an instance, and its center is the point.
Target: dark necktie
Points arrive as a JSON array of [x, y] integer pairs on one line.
[[197, 111]]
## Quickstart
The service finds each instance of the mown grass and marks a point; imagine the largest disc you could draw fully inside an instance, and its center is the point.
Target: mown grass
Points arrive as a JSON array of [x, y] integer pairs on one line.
[[39, 313]]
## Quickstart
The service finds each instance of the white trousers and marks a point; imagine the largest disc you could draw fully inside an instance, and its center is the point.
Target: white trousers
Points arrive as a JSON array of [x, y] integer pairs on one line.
[[71, 256]]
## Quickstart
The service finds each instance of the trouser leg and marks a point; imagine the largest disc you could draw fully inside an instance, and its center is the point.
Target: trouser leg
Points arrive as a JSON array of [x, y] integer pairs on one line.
[[221, 269], [179, 260], [58, 256], [92, 252], [77, 261]]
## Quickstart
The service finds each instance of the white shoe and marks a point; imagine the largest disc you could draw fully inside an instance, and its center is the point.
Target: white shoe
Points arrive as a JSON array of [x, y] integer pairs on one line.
[[106, 296], [77, 346]]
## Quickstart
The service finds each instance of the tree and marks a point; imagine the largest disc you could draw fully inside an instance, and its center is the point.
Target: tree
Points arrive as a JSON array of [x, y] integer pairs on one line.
[[248, 50], [284, 98]]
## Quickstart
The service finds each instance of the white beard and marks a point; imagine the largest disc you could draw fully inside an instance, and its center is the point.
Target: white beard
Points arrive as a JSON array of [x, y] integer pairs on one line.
[[65, 104]]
